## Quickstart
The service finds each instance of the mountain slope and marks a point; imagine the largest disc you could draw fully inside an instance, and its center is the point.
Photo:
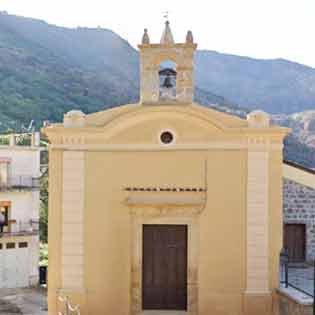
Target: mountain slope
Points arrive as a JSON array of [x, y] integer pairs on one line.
[[43, 72], [91, 48], [277, 86], [46, 70]]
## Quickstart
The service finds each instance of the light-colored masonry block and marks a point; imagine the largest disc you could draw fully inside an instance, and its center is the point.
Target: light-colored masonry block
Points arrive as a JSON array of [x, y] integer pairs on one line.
[[72, 224], [257, 223]]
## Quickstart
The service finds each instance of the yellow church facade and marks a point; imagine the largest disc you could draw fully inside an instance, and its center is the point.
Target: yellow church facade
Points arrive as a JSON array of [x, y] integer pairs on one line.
[[165, 205]]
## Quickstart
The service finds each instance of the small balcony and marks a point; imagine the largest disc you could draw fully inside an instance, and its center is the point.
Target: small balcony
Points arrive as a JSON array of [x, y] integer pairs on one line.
[[20, 228], [23, 182]]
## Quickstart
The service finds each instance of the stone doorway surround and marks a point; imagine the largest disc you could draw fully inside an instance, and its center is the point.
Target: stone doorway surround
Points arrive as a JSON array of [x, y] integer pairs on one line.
[[168, 312], [182, 208]]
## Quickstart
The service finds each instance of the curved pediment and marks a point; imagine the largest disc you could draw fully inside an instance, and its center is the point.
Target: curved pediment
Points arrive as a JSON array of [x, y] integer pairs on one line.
[[145, 124], [137, 124]]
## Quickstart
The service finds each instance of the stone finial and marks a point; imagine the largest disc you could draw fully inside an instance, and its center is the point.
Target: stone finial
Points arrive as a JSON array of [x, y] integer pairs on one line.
[[74, 118], [145, 37], [167, 36], [258, 119], [189, 38]]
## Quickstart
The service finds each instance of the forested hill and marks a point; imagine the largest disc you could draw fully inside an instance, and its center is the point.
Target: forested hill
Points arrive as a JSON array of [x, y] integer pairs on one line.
[[276, 86], [46, 70]]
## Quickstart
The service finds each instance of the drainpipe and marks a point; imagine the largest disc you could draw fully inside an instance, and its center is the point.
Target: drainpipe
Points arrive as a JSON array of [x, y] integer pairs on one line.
[[35, 140]]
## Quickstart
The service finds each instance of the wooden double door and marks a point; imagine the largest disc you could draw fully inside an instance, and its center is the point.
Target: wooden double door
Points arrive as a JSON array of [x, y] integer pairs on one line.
[[164, 267]]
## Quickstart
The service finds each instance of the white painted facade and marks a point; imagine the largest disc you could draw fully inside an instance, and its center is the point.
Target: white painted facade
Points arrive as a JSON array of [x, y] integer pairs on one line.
[[20, 199]]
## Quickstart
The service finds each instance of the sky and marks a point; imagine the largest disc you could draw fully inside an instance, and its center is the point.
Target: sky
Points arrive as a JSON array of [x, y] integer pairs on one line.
[[255, 28]]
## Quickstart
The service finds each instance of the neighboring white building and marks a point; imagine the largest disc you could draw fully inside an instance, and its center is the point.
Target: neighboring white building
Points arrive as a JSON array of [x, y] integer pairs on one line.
[[19, 202]]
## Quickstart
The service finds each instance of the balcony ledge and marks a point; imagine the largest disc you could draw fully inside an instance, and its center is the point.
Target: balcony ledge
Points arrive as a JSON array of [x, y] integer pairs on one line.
[[15, 234]]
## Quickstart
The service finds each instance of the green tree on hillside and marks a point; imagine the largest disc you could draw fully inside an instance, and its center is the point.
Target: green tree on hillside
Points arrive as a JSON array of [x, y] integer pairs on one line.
[[43, 215]]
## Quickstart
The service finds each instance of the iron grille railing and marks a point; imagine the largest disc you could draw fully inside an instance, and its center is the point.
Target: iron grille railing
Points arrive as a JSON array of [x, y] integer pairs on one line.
[[20, 182], [299, 276], [21, 228]]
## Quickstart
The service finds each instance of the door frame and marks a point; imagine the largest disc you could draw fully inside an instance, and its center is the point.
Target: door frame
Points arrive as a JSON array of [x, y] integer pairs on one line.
[[181, 217]]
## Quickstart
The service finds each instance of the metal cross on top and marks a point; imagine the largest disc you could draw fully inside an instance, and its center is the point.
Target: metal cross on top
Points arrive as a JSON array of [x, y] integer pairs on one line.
[[166, 15]]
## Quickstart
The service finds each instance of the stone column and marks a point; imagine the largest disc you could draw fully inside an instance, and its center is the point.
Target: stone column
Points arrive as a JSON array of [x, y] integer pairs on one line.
[[149, 77], [185, 76]]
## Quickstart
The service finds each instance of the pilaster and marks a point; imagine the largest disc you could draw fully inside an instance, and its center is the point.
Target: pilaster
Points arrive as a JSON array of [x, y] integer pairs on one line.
[[72, 223]]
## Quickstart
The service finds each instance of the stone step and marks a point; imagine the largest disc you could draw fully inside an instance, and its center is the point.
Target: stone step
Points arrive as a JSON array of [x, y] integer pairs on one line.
[[8, 308]]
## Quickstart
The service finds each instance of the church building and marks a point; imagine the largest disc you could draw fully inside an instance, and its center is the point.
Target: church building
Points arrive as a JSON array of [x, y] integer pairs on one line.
[[165, 205]]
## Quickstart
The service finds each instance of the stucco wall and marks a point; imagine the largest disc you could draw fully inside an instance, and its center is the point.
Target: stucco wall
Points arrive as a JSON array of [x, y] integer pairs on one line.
[[108, 253], [222, 270], [238, 232], [24, 207], [24, 161], [19, 266], [54, 229], [107, 231], [299, 207]]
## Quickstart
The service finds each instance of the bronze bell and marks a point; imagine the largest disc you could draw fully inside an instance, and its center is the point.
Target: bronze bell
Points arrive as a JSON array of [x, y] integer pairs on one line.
[[167, 82]]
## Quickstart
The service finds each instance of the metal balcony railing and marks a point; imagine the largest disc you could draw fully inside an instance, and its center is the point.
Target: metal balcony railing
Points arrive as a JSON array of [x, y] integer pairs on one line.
[[300, 277], [20, 182], [20, 228]]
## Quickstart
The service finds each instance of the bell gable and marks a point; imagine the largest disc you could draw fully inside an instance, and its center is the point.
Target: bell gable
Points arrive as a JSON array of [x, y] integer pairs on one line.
[[152, 57]]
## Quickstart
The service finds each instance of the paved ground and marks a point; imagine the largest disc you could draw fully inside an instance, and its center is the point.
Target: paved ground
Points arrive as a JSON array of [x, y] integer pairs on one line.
[[23, 301], [302, 278], [33, 301]]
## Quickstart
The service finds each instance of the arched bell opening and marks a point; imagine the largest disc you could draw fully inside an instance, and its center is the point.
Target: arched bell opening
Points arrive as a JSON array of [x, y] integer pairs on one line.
[[167, 75]]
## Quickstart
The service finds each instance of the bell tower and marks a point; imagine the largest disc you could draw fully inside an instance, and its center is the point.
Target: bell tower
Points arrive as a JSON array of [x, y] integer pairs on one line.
[[160, 83]]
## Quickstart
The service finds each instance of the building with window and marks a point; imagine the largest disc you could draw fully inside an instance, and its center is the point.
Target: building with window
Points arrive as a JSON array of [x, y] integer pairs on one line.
[[19, 206], [165, 205], [299, 212]]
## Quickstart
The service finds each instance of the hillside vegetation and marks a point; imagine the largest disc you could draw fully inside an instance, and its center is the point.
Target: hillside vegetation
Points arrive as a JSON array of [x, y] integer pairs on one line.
[[276, 86], [46, 70]]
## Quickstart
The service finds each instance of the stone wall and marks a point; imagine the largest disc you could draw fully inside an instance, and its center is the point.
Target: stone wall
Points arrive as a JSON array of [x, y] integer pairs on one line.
[[290, 304], [299, 207]]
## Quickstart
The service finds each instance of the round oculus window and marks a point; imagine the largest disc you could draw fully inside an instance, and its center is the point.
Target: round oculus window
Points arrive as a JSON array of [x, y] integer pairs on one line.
[[166, 137]]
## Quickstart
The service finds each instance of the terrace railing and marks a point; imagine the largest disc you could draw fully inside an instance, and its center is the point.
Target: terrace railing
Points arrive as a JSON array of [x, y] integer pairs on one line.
[[20, 228], [20, 182], [299, 276]]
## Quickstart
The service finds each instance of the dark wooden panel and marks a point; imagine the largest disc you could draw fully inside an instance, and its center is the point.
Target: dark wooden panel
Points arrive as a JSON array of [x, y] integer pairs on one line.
[[294, 241], [164, 274]]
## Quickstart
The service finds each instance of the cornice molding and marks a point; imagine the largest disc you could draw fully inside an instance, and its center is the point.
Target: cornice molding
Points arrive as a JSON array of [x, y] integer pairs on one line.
[[298, 175], [166, 211], [224, 145], [21, 148], [154, 204]]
